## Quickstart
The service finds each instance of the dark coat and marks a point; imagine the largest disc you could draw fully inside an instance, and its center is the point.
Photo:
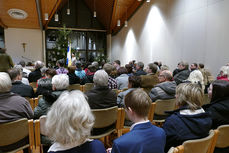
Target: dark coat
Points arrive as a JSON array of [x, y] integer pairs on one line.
[[44, 85], [219, 111], [22, 89], [5, 62], [181, 76], [73, 79], [179, 128], [143, 138], [35, 75], [101, 97], [140, 72]]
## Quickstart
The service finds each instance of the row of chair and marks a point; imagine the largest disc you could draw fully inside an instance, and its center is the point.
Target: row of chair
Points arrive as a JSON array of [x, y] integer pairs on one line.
[[217, 138], [33, 101]]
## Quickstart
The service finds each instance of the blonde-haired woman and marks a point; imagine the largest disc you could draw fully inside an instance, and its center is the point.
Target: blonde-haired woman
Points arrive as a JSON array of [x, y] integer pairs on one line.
[[190, 121], [69, 123]]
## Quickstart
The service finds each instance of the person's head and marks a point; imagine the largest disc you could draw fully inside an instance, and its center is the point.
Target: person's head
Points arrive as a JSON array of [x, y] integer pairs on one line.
[[165, 75], [196, 77], [78, 65], [92, 68], [190, 95], [60, 82], [95, 64], [122, 70], [140, 66], [218, 89], [193, 66], [134, 82], [201, 65], [5, 82], [137, 104], [70, 118], [108, 68], [43, 70], [49, 73], [38, 64], [151, 68], [164, 67], [15, 74], [60, 63], [117, 63], [224, 71], [100, 78], [129, 68], [22, 63], [71, 69], [183, 65]]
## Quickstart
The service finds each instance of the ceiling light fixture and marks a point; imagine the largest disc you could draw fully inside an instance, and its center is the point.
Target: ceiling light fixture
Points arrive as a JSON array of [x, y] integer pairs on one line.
[[56, 18], [68, 9], [148, 1], [17, 14], [94, 14], [126, 22]]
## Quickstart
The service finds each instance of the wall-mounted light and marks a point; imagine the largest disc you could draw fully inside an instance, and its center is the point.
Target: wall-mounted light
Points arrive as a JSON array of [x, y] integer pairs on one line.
[[68, 9], [118, 23], [94, 14], [148, 1]]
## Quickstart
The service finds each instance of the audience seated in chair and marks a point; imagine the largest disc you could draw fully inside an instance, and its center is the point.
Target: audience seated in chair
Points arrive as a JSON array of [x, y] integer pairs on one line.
[[61, 70], [134, 82], [218, 108], [24, 76], [165, 89], [45, 84], [206, 75], [24, 69], [122, 79], [17, 86], [149, 80], [139, 69], [224, 73], [69, 123], [12, 106], [112, 83], [117, 64], [143, 136], [196, 77], [80, 73], [73, 79], [183, 72], [59, 84], [36, 74], [90, 74], [101, 96], [190, 121]]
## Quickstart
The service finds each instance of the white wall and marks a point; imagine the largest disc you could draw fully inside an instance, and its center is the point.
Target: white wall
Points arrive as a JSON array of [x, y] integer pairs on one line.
[[14, 38], [175, 30]]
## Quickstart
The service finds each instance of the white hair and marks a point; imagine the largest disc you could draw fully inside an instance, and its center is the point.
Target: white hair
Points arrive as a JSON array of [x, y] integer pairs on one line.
[[60, 81], [70, 118], [196, 77], [5, 82], [225, 70], [100, 78], [38, 64]]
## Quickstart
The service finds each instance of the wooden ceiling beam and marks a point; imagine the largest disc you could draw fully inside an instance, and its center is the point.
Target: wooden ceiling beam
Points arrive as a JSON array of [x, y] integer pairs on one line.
[[2, 24], [114, 8], [52, 12], [130, 12]]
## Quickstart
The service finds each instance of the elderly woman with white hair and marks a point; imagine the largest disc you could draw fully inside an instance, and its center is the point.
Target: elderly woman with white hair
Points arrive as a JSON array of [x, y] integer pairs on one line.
[[12, 107], [190, 121], [101, 96], [69, 123], [197, 77], [59, 84], [224, 73]]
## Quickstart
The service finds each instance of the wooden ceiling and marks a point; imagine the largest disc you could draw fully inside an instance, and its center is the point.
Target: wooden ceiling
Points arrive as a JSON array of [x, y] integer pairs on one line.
[[108, 12]]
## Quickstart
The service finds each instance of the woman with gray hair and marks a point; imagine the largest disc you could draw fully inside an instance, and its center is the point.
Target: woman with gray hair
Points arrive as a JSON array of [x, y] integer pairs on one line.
[[59, 84], [101, 96], [36, 74], [190, 121], [69, 123]]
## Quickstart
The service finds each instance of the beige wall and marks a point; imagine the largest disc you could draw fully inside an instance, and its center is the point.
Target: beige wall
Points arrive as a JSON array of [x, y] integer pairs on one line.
[[14, 38], [175, 30]]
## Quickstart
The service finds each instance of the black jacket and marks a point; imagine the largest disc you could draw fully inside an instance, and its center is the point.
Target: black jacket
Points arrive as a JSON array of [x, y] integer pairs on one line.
[[73, 79], [181, 76], [219, 111], [140, 72], [101, 97], [35, 75], [22, 89]]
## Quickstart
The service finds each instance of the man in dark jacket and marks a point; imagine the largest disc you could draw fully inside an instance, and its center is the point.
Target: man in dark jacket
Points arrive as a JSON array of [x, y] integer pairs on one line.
[[183, 73], [101, 96], [17, 86], [165, 89], [36, 74], [139, 68]]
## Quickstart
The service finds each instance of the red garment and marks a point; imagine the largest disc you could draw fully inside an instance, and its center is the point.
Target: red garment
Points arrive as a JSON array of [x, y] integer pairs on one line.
[[222, 78]]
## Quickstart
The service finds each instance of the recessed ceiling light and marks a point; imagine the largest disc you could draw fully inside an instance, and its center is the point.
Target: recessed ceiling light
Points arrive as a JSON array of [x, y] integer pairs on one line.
[[17, 14]]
